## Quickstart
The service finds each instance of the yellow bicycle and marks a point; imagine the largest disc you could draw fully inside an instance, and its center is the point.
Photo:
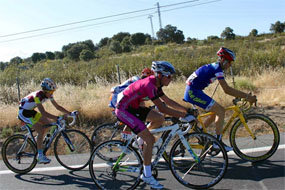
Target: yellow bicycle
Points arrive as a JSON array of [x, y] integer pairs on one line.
[[253, 136]]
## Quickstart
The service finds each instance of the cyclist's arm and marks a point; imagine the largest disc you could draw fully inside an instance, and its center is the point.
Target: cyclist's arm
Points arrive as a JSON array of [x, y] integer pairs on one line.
[[58, 107], [166, 110], [44, 113], [234, 92], [173, 104]]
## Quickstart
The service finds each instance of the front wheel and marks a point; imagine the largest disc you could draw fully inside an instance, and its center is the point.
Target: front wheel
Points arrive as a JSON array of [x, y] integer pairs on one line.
[[201, 172], [260, 147], [19, 154], [72, 149], [123, 172]]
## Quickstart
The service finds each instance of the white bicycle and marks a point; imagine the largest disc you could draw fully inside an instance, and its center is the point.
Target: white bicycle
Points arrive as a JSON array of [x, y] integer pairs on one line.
[[115, 164]]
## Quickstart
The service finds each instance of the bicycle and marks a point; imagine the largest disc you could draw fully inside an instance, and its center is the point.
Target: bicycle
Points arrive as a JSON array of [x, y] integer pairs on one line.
[[249, 131], [19, 152], [189, 160]]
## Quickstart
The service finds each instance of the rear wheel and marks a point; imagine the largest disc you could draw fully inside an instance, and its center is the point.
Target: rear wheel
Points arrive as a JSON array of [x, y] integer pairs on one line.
[[262, 146], [19, 154], [72, 149]]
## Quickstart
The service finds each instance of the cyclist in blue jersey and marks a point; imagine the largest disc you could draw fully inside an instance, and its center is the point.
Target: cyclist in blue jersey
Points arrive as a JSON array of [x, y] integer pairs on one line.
[[37, 120], [206, 75], [117, 89]]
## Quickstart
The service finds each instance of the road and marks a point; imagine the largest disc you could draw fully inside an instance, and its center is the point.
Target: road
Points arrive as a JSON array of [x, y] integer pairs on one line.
[[240, 175]]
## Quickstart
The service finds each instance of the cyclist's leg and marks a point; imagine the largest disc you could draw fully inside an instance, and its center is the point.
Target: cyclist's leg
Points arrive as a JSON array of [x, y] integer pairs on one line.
[[38, 126], [155, 118], [220, 116]]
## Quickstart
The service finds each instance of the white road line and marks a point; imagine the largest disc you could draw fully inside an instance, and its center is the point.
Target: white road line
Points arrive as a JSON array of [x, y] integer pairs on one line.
[[58, 168]]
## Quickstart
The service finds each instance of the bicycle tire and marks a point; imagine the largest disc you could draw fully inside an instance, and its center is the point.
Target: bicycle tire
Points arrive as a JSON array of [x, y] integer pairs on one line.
[[78, 158], [106, 176], [26, 159], [107, 131], [208, 171], [266, 133]]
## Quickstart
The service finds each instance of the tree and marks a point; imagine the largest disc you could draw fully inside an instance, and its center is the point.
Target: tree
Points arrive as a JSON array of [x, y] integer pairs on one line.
[[278, 27], [253, 32], [50, 55], [58, 55], [16, 60], [170, 34], [3, 65], [126, 44], [138, 39], [103, 42], [74, 52], [115, 46], [36, 57], [120, 36], [210, 38], [228, 34], [86, 55]]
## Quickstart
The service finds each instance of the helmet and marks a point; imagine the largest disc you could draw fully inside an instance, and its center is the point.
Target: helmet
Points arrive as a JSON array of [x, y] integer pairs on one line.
[[147, 72], [163, 67], [48, 84], [228, 54]]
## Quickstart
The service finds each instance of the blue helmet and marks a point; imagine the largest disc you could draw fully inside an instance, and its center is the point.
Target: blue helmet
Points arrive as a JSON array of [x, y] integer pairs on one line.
[[163, 67]]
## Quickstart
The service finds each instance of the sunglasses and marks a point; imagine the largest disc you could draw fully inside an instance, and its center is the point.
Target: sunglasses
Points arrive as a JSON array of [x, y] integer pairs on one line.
[[50, 91], [169, 76]]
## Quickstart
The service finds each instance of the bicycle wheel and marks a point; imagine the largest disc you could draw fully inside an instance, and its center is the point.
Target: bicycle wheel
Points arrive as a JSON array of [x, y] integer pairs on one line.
[[108, 131], [115, 174], [72, 149], [266, 140], [19, 154], [201, 174]]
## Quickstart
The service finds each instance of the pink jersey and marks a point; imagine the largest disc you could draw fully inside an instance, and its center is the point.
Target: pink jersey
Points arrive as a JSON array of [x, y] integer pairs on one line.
[[134, 94]]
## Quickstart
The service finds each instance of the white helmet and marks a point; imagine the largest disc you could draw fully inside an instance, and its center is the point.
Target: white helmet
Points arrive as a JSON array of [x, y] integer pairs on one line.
[[48, 84], [163, 67]]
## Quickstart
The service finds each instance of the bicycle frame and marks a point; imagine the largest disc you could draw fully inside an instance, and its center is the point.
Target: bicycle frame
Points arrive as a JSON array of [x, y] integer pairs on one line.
[[237, 113]]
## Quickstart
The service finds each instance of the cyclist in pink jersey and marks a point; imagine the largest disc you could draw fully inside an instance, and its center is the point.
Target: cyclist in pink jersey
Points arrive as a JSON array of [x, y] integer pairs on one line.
[[36, 119], [129, 111]]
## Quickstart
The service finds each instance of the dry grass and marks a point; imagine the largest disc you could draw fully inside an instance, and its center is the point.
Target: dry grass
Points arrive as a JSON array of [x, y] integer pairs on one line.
[[92, 100]]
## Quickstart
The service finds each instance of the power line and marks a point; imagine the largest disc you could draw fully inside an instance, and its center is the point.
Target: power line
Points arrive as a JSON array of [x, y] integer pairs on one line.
[[89, 20], [85, 26]]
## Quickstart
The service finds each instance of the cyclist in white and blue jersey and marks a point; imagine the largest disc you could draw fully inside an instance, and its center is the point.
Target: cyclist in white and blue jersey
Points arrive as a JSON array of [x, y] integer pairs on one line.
[[206, 75]]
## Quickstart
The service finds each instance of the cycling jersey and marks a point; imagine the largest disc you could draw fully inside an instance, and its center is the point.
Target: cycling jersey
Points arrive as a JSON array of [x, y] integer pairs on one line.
[[30, 101], [117, 89], [205, 75], [27, 105], [198, 81], [132, 96]]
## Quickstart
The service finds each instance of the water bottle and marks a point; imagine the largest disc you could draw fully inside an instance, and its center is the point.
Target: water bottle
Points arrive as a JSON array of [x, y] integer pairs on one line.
[[46, 139]]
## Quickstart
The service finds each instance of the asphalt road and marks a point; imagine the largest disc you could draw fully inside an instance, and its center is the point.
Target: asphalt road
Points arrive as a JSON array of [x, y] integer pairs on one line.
[[268, 174]]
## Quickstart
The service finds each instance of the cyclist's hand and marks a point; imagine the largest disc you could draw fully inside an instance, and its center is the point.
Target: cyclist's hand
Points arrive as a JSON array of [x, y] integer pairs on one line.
[[188, 118], [74, 113], [251, 99]]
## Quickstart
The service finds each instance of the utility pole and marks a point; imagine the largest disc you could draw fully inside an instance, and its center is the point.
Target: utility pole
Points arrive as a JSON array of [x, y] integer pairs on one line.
[[158, 11], [150, 18]]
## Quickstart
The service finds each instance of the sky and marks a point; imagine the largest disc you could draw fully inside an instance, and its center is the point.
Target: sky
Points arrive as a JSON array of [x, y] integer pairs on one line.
[[29, 26]]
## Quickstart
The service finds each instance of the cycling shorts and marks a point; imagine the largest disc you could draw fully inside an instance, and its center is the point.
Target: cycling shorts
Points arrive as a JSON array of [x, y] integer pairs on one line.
[[30, 117], [198, 97], [134, 118]]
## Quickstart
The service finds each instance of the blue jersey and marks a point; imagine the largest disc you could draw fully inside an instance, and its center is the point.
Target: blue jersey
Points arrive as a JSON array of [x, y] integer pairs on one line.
[[205, 75]]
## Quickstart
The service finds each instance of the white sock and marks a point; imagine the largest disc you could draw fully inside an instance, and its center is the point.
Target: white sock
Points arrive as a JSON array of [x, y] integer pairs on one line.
[[140, 141], [147, 170]]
